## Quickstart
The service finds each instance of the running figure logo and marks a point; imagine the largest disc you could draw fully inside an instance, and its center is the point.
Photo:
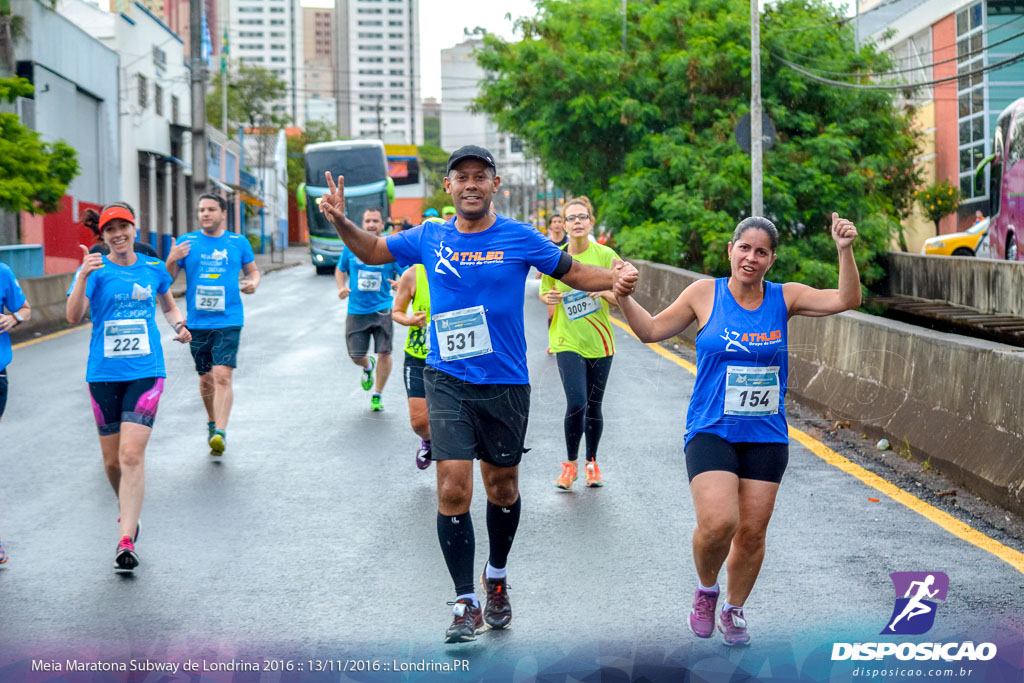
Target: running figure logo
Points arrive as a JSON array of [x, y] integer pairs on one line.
[[444, 253], [914, 612], [733, 339], [219, 255], [141, 293]]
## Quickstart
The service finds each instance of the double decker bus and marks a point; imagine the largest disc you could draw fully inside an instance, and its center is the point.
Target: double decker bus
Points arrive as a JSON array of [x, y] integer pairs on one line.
[[367, 185]]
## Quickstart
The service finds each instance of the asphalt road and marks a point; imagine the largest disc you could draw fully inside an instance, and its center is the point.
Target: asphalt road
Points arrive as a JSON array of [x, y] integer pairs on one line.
[[315, 536]]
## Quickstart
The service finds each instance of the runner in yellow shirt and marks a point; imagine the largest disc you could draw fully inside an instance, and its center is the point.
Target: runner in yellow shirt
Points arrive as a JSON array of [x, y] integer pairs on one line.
[[583, 342]]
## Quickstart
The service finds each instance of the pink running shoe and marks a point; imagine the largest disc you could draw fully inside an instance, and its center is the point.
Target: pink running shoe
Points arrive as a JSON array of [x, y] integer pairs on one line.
[[126, 560], [733, 627], [702, 616]]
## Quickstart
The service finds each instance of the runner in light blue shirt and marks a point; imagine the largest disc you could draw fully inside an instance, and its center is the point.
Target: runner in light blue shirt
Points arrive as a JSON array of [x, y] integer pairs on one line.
[[212, 259]]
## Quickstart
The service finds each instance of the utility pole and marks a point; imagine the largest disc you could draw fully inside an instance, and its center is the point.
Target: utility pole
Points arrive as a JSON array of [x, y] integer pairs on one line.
[[224, 82], [198, 80], [624, 24], [380, 121], [756, 150]]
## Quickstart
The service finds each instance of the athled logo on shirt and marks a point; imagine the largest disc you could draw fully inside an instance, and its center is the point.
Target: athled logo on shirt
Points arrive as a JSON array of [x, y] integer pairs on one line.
[[741, 340], [447, 257]]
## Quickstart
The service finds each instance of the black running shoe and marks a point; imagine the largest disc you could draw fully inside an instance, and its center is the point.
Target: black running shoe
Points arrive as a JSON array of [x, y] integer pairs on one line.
[[467, 621], [126, 560], [497, 610]]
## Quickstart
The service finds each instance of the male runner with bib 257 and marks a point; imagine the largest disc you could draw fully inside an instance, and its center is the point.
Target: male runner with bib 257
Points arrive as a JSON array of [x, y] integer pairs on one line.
[[477, 384]]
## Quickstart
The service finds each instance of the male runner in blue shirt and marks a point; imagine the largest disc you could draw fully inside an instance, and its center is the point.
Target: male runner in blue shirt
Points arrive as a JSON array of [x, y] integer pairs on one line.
[[477, 384], [212, 259]]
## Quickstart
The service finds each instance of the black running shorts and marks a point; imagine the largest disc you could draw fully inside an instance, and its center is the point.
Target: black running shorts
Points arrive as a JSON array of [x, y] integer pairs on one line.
[[215, 347], [132, 401], [485, 421], [413, 375], [759, 461]]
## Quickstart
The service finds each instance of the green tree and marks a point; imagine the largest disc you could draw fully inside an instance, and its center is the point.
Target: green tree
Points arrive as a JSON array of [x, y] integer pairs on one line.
[[432, 130], [33, 175], [252, 92], [938, 201], [315, 131], [648, 132]]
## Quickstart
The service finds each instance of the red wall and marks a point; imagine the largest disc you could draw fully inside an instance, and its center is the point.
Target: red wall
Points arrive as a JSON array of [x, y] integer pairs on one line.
[[60, 234], [947, 138]]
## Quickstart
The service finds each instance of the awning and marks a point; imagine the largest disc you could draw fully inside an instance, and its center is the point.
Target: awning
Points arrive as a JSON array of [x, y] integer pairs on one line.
[[249, 199], [227, 188], [246, 195], [167, 157]]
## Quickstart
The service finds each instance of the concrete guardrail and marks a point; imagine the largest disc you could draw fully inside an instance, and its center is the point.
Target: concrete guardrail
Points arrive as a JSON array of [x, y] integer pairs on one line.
[[989, 286]]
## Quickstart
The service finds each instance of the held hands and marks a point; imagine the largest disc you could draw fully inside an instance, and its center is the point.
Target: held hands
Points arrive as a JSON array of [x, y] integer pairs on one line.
[[90, 262], [624, 277], [418, 319], [343, 292], [552, 297], [843, 231], [183, 336], [180, 250]]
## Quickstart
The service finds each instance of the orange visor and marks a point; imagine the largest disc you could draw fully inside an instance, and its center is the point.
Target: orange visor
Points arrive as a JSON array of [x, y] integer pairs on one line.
[[112, 212]]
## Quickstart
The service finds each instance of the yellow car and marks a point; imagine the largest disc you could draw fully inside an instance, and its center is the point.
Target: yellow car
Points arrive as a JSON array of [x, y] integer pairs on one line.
[[966, 243]]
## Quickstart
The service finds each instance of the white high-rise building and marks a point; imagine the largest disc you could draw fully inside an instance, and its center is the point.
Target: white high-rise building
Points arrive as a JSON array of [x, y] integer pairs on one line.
[[378, 74], [460, 78], [268, 33]]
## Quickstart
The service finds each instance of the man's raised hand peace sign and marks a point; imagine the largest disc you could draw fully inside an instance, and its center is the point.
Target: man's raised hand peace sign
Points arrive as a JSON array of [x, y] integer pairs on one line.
[[332, 203]]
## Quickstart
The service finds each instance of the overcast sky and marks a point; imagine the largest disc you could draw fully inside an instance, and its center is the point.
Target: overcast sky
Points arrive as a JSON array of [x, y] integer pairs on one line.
[[442, 23]]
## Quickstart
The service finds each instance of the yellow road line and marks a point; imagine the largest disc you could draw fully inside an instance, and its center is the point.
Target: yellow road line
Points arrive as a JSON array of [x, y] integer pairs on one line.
[[52, 335], [948, 522]]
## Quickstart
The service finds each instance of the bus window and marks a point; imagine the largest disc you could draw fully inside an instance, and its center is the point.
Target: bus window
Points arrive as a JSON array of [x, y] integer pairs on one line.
[[361, 166]]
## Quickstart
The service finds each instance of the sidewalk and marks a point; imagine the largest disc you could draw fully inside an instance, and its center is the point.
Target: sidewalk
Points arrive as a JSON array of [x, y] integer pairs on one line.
[[292, 256]]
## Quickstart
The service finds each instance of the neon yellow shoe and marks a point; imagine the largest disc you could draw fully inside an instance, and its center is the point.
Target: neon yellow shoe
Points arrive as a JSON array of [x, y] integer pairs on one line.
[[218, 442], [567, 477]]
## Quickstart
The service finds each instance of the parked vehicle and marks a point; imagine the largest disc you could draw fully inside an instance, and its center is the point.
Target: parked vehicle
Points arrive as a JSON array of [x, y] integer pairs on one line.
[[1006, 183], [965, 243]]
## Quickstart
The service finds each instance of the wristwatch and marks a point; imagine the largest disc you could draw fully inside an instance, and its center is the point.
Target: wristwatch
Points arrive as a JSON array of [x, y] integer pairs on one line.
[[17, 316]]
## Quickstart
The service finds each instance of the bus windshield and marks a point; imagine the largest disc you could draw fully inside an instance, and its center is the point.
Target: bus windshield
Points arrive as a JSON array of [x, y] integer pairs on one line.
[[360, 166], [319, 226]]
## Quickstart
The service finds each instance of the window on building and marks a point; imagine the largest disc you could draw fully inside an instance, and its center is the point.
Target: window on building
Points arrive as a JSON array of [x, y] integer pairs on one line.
[[175, 109], [397, 72], [396, 60], [371, 35], [277, 10], [971, 110], [397, 96], [250, 10], [142, 87], [397, 108], [158, 99], [397, 120], [277, 22], [394, 48], [277, 46], [395, 10], [396, 23], [277, 34], [251, 22], [397, 84], [370, 23], [277, 59]]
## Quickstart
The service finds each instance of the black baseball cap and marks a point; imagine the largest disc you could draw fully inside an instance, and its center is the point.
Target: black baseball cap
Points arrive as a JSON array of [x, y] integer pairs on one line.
[[471, 152]]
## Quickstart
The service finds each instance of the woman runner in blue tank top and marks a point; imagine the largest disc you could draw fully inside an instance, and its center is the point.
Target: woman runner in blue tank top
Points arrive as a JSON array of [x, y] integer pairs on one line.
[[737, 439]]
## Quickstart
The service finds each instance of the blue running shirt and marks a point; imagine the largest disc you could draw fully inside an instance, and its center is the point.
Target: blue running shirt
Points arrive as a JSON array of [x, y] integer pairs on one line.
[[742, 369], [477, 285], [370, 289], [122, 305], [211, 269], [11, 298]]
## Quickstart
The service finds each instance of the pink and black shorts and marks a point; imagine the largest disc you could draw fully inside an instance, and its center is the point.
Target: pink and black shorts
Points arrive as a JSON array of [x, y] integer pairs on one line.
[[132, 401]]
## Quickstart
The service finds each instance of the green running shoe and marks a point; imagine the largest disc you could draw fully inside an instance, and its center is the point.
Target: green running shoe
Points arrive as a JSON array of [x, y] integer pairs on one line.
[[367, 379], [375, 403], [218, 442]]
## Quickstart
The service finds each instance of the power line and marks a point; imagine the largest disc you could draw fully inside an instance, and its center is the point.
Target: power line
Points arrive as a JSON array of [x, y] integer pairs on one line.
[[966, 57], [906, 86]]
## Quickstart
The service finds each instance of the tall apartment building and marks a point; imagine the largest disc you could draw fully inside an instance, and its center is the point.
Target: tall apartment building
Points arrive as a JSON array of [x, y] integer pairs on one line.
[[318, 44], [175, 13], [268, 33], [377, 72], [460, 78]]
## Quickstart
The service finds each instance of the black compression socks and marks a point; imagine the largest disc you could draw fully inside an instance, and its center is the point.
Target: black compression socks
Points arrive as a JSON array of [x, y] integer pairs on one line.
[[501, 530], [458, 544]]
